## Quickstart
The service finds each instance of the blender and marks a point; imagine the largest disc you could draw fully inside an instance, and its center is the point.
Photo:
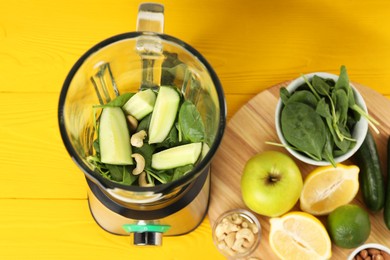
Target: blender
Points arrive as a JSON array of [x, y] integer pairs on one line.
[[146, 58]]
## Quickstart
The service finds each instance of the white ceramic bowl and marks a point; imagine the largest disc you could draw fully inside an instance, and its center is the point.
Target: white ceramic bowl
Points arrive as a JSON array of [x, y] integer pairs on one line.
[[368, 246], [359, 132]]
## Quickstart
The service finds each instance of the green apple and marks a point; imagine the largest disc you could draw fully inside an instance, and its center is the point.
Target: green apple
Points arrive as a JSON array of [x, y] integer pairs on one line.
[[271, 183]]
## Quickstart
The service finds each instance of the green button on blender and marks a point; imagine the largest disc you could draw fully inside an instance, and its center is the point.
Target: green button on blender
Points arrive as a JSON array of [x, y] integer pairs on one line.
[[146, 234]]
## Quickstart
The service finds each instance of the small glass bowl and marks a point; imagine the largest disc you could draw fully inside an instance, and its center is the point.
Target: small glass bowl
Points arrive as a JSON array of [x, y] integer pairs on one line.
[[367, 247], [230, 220]]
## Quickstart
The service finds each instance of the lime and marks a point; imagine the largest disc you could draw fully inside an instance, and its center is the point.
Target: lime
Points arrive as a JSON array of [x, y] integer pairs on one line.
[[349, 226]]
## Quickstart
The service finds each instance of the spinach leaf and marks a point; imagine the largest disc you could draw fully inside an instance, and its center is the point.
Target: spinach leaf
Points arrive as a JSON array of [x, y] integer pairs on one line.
[[313, 90], [116, 172], [144, 123], [323, 109], [161, 176], [119, 101], [284, 95], [181, 171], [320, 86], [346, 141], [342, 82], [121, 174], [304, 96], [327, 152], [340, 100], [303, 128], [146, 150], [171, 140], [191, 124]]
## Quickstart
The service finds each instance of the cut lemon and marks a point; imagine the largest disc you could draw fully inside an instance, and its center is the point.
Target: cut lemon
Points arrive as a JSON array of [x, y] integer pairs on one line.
[[299, 235], [328, 187]]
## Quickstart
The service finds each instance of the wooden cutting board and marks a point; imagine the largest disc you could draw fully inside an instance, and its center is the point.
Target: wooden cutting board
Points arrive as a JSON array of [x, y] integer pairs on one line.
[[245, 136]]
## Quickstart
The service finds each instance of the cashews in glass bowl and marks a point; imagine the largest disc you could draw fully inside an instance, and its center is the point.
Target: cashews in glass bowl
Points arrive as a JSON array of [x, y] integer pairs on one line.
[[358, 133], [236, 233]]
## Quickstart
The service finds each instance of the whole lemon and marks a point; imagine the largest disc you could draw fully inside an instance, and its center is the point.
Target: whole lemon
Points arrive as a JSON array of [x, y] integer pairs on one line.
[[349, 226]]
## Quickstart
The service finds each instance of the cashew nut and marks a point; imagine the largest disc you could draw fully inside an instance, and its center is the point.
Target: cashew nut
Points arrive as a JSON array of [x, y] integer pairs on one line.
[[142, 180], [236, 219], [132, 123], [225, 227], [137, 139], [229, 239], [238, 245], [139, 163], [247, 235]]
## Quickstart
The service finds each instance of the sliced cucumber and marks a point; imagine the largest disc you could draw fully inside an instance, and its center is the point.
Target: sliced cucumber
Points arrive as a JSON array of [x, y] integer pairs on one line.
[[141, 104], [164, 114], [205, 150], [114, 137], [177, 156]]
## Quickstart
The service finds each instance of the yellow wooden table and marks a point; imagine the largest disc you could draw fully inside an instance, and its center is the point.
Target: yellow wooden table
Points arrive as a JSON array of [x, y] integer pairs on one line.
[[251, 44]]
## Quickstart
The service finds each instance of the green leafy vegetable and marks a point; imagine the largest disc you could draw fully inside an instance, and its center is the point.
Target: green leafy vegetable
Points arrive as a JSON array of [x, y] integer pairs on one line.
[[303, 96], [191, 124], [188, 128], [304, 129], [318, 118], [119, 101]]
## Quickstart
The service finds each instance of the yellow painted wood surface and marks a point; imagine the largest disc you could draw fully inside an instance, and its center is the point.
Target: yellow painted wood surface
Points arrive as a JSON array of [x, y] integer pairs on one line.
[[252, 45]]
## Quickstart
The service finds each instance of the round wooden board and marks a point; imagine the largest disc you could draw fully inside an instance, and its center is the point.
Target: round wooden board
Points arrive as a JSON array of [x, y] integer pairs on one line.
[[245, 136]]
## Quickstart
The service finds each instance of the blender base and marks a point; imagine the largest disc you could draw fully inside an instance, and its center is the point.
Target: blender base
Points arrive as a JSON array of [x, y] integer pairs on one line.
[[185, 219]]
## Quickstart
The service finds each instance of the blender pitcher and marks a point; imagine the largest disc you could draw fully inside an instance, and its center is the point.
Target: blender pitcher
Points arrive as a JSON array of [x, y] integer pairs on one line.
[[126, 63]]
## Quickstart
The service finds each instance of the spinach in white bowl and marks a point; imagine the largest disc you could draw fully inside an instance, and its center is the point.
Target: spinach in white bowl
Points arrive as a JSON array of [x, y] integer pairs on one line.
[[321, 118]]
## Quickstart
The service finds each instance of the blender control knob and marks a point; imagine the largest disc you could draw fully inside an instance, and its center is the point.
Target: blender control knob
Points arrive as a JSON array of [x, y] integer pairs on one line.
[[147, 238], [146, 234]]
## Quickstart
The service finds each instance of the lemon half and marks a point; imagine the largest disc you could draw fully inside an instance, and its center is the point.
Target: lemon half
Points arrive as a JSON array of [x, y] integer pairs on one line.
[[328, 187], [299, 235]]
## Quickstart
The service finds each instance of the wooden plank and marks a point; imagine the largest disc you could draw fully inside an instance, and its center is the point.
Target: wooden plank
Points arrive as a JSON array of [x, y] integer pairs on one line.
[[65, 229]]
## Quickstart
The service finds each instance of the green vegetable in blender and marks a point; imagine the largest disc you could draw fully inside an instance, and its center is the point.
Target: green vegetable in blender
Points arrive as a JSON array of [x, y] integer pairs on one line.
[[114, 137], [173, 145], [176, 156], [164, 114], [141, 104]]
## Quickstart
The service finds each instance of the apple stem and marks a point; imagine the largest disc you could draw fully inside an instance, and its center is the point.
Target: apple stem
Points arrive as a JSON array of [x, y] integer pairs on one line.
[[273, 178]]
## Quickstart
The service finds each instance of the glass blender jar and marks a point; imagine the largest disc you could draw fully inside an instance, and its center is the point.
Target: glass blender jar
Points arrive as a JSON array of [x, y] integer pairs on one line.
[[146, 58]]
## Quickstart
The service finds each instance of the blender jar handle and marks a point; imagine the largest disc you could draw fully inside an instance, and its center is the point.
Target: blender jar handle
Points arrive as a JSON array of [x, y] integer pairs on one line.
[[150, 18], [150, 21]]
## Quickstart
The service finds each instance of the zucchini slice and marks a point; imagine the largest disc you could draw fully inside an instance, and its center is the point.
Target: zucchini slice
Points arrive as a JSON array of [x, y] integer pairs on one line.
[[141, 104], [164, 114], [114, 137], [177, 156]]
